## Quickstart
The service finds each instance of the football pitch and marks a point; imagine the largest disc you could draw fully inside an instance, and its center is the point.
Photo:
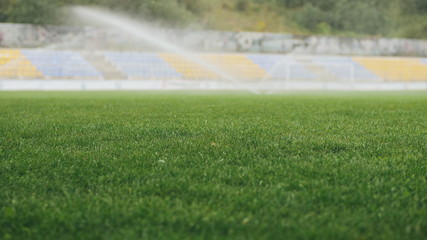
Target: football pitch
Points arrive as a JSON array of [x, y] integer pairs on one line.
[[231, 165]]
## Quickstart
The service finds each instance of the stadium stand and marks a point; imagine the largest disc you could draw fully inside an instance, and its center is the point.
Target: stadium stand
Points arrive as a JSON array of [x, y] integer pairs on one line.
[[13, 64], [189, 69], [48, 64], [343, 68], [395, 69], [237, 65], [281, 67], [142, 65], [61, 64]]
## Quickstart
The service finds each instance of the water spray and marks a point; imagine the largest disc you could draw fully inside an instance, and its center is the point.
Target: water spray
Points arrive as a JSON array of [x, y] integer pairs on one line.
[[143, 32]]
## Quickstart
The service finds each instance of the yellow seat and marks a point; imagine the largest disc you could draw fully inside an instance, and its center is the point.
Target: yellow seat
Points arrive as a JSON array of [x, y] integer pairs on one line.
[[15, 65], [395, 69], [236, 65]]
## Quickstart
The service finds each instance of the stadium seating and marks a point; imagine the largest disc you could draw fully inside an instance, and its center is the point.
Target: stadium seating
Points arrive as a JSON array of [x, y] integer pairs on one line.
[[281, 67], [15, 65], [395, 69], [237, 65], [343, 68], [47, 64], [142, 65], [190, 69], [61, 64]]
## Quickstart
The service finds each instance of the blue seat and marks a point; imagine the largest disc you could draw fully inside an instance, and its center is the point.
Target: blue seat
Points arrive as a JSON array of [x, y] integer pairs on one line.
[[144, 65], [343, 67], [281, 67], [61, 63]]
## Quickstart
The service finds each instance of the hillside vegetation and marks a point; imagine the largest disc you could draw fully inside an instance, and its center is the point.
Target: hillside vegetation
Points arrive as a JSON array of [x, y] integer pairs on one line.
[[388, 18]]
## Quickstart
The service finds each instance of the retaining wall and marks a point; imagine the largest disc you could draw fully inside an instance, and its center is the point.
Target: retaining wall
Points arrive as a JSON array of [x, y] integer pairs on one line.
[[91, 38]]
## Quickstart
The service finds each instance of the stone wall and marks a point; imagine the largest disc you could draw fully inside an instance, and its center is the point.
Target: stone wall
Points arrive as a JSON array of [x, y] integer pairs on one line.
[[91, 38]]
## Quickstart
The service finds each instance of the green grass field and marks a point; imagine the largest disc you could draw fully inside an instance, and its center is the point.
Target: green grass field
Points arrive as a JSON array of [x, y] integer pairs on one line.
[[143, 165]]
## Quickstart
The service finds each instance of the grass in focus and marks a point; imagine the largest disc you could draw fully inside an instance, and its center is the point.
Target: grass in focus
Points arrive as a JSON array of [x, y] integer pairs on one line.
[[174, 166]]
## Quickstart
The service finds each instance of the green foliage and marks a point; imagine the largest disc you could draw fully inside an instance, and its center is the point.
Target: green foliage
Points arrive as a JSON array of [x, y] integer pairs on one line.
[[242, 5], [29, 11], [415, 26], [360, 17], [415, 6], [172, 12], [310, 16], [198, 7], [3, 13], [234, 166], [168, 11], [323, 28], [389, 18]]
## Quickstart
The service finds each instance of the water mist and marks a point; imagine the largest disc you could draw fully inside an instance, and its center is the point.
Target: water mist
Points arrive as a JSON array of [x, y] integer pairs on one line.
[[143, 32]]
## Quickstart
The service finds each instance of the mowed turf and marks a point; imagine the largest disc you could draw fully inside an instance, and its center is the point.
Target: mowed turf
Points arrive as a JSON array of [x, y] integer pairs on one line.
[[141, 165]]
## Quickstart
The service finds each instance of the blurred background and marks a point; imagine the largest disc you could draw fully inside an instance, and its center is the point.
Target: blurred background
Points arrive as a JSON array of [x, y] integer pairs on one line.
[[386, 18], [271, 44]]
